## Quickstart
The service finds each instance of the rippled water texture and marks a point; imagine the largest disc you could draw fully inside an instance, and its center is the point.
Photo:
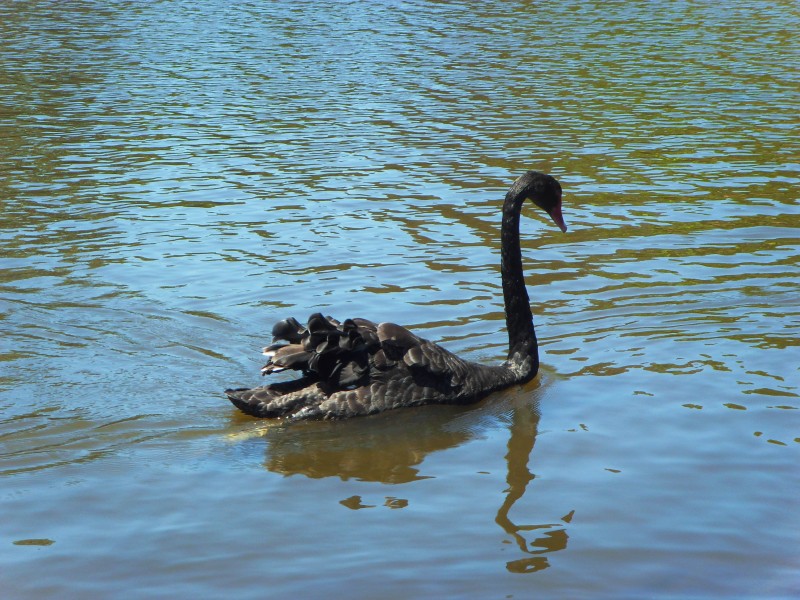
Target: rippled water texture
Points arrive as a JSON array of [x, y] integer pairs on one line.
[[176, 176]]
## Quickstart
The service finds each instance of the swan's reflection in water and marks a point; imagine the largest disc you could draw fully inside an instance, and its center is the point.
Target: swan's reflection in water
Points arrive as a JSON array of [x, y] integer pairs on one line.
[[551, 537], [389, 448], [385, 448]]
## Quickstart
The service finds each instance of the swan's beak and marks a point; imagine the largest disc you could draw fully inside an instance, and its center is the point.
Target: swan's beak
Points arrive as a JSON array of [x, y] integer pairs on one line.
[[558, 218]]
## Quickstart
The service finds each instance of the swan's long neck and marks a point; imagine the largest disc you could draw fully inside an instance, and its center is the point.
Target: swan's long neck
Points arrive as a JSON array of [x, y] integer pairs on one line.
[[523, 352]]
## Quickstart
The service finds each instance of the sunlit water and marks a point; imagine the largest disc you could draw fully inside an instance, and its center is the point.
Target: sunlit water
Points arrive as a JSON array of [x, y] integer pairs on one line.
[[176, 176]]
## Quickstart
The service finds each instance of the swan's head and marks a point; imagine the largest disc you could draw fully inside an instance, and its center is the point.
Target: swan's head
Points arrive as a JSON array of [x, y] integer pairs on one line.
[[544, 191]]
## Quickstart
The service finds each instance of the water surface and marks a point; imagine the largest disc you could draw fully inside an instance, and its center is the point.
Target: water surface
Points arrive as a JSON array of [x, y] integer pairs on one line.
[[175, 177]]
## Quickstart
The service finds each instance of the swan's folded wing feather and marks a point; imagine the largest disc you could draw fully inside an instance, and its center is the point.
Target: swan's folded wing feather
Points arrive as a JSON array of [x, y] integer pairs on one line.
[[291, 356], [438, 362], [396, 341], [422, 355], [343, 356]]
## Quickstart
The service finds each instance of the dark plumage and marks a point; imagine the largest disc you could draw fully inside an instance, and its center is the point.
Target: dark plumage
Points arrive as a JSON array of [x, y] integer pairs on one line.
[[357, 367]]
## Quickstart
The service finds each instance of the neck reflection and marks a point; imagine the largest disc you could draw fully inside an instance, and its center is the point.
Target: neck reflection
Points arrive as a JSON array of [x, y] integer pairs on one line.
[[547, 537]]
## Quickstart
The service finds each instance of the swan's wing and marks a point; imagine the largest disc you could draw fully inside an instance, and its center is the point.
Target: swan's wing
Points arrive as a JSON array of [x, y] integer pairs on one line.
[[351, 353], [422, 356], [325, 349]]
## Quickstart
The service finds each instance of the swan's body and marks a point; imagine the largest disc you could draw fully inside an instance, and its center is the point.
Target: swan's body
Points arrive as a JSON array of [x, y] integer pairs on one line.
[[359, 368]]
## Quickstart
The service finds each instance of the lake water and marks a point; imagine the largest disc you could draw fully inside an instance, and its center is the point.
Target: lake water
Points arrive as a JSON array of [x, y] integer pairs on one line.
[[177, 176]]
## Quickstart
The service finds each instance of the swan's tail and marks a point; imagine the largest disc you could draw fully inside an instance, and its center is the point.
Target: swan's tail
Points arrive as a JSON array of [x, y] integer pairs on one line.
[[299, 398], [248, 402]]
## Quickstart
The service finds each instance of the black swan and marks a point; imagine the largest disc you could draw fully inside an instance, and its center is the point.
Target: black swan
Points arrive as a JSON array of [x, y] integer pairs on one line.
[[357, 367]]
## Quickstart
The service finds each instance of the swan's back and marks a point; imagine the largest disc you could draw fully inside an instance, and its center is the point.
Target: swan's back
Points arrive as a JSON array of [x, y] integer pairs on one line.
[[357, 367]]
